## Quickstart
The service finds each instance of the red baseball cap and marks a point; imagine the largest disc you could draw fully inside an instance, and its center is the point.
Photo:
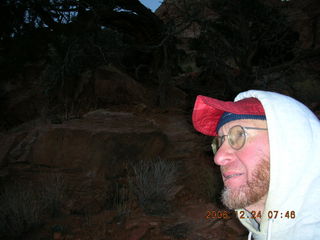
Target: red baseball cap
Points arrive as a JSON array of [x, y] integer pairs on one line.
[[208, 111]]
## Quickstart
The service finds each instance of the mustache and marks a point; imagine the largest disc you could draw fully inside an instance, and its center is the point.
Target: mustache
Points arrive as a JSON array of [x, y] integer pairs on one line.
[[265, 160], [225, 169]]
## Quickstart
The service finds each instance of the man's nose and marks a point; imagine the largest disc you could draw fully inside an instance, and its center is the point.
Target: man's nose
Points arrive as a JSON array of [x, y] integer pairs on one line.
[[224, 155]]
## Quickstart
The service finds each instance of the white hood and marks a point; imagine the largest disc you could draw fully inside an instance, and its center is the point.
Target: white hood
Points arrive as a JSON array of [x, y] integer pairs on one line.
[[294, 136]]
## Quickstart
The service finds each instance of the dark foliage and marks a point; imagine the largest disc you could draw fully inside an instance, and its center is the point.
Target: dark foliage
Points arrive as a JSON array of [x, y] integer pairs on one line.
[[31, 29], [68, 38], [244, 36]]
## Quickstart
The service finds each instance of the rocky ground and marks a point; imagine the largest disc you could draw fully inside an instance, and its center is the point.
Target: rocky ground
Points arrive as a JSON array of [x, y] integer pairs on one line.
[[87, 155]]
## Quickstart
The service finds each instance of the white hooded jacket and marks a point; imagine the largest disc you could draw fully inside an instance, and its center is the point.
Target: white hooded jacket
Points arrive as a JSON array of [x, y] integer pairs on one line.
[[294, 190]]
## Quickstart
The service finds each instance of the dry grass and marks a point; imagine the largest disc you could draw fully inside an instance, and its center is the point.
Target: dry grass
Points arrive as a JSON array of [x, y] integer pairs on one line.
[[21, 209], [154, 184], [23, 206]]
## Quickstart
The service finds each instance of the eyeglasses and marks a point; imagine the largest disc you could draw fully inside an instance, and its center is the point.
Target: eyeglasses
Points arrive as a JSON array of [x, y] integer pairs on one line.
[[236, 137]]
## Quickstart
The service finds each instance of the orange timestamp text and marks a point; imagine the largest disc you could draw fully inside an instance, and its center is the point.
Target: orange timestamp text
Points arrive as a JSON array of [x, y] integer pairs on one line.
[[272, 214], [219, 214]]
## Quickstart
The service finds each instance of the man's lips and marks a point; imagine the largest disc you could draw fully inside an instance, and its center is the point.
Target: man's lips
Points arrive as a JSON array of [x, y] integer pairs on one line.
[[228, 175]]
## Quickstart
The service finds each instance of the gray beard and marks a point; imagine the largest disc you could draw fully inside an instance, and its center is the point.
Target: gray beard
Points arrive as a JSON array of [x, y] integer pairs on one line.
[[252, 191]]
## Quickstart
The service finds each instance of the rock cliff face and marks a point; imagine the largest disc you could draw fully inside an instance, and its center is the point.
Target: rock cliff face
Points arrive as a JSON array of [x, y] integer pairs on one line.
[[84, 165], [90, 150], [303, 15], [92, 153], [298, 77]]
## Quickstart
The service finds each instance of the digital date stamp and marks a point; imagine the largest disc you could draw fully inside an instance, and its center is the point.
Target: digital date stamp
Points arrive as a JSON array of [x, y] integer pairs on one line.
[[271, 214], [219, 214]]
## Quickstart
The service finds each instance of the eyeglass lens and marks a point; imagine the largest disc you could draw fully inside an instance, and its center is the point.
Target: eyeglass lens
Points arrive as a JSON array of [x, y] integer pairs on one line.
[[236, 138]]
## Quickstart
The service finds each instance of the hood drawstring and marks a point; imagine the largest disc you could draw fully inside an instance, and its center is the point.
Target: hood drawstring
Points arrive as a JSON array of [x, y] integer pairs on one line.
[[270, 222]]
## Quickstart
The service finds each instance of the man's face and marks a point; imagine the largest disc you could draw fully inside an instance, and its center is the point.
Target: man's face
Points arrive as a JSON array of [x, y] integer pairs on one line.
[[245, 172]]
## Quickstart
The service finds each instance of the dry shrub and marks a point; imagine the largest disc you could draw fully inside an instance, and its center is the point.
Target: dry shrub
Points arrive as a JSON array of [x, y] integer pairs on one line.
[[154, 184], [23, 206], [21, 209]]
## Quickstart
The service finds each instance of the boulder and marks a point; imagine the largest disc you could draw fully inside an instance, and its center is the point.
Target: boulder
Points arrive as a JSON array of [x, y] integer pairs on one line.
[[115, 87], [89, 154], [100, 142]]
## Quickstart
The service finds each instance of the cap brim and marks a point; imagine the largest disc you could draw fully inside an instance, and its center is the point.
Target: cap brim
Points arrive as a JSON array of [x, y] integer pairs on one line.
[[208, 111]]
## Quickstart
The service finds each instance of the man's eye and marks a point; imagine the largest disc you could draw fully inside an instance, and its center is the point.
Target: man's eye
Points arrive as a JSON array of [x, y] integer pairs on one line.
[[238, 133], [241, 134]]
